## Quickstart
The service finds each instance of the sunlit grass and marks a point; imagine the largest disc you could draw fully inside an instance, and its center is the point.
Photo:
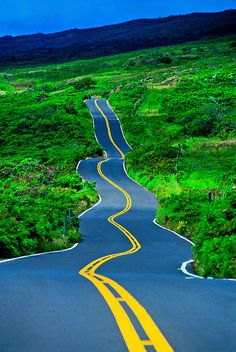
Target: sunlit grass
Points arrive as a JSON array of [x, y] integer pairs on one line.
[[177, 108]]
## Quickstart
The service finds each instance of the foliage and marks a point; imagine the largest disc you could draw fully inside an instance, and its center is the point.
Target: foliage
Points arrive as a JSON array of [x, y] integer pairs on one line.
[[84, 83], [42, 141], [35, 199], [181, 123], [216, 257], [179, 117]]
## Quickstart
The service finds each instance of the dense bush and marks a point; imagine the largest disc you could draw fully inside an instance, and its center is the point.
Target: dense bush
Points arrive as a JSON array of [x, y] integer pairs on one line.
[[35, 199], [149, 60], [216, 257], [83, 83], [42, 141], [181, 124]]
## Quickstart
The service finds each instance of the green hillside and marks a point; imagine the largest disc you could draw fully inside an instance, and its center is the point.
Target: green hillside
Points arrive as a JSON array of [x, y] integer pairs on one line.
[[43, 136], [177, 108], [114, 39]]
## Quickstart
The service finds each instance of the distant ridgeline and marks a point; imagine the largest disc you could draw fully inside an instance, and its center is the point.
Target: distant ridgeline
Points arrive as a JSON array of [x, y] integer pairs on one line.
[[113, 39]]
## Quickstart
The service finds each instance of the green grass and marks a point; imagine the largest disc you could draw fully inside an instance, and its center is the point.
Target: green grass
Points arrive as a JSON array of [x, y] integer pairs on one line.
[[177, 108]]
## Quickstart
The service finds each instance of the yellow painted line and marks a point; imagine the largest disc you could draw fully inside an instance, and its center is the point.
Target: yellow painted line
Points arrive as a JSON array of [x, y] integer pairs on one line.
[[108, 130], [128, 331]]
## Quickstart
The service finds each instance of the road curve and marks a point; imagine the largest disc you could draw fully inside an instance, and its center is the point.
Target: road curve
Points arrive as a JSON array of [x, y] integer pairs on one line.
[[121, 288]]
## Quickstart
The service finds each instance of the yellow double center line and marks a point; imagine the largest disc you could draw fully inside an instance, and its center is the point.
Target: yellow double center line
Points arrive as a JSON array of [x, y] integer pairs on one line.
[[115, 295]]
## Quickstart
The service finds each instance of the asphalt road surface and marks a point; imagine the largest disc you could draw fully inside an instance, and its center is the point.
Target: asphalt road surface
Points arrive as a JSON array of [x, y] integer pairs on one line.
[[121, 288]]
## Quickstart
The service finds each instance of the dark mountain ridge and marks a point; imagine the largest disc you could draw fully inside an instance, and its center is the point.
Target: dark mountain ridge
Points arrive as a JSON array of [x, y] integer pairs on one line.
[[113, 39]]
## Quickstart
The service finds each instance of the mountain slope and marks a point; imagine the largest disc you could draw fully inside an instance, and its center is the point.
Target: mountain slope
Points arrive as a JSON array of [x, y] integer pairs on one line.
[[177, 108], [107, 40]]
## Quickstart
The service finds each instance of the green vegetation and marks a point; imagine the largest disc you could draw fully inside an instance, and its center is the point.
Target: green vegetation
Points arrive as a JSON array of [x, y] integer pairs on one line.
[[43, 136], [109, 40], [177, 108], [180, 120]]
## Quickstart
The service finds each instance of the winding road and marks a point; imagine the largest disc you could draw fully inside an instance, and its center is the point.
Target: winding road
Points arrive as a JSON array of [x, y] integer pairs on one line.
[[122, 287]]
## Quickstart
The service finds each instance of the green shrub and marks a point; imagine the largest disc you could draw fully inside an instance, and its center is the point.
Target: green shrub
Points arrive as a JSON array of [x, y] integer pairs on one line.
[[216, 257], [83, 83]]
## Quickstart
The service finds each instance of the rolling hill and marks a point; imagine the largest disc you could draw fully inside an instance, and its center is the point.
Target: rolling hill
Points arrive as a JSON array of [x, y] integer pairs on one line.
[[113, 39], [177, 108]]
